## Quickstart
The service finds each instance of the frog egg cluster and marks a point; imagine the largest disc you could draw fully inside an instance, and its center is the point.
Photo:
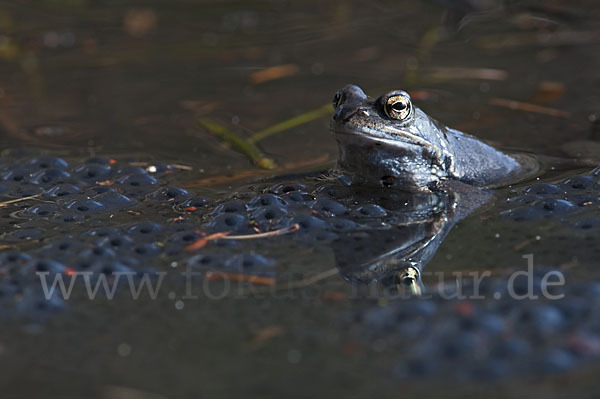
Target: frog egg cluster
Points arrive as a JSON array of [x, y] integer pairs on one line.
[[99, 216], [105, 217], [484, 340], [267, 212], [570, 197]]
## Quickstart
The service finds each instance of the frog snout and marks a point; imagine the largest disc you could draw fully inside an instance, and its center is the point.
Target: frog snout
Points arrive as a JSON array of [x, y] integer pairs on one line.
[[349, 95], [344, 113], [347, 101]]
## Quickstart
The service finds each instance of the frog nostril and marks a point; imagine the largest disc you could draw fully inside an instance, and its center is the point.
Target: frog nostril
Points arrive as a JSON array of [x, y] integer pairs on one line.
[[344, 112], [338, 99], [349, 94]]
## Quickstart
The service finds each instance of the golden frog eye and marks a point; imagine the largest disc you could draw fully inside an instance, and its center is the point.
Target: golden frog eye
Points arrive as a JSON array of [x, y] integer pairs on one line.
[[398, 107]]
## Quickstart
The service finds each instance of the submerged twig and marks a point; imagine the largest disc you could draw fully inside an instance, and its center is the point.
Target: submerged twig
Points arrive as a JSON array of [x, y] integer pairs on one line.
[[201, 242], [14, 201], [291, 123], [247, 146], [267, 234], [528, 107], [560, 38], [274, 72], [238, 143], [446, 73], [182, 167]]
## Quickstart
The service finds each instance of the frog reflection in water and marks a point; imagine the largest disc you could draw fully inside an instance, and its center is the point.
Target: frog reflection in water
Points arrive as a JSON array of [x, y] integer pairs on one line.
[[392, 249], [428, 175]]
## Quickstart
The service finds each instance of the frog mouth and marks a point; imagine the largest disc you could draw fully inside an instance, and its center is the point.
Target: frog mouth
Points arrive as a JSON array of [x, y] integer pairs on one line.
[[389, 136]]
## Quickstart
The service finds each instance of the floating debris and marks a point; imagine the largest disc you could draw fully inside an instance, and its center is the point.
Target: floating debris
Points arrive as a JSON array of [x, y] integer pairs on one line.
[[275, 72], [201, 243], [528, 107], [441, 74]]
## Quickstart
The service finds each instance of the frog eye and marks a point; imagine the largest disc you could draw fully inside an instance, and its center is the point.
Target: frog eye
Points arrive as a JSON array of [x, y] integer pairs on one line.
[[398, 107]]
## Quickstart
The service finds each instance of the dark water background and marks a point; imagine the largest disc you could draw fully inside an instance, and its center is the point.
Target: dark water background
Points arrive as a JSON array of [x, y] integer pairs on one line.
[[121, 79]]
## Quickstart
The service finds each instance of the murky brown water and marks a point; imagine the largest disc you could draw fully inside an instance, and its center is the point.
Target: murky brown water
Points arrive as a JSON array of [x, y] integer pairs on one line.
[[119, 79]]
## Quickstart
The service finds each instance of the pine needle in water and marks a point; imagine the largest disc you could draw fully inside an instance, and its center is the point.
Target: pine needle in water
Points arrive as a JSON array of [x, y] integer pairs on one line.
[[201, 243], [14, 201]]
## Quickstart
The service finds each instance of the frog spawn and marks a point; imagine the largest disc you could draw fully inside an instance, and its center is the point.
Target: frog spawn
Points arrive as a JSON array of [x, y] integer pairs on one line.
[[111, 196], [566, 199], [68, 200], [109, 206], [87, 219], [484, 340]]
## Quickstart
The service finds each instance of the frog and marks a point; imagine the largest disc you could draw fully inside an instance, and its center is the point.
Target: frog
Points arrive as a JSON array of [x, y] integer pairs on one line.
[[389, 142]]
